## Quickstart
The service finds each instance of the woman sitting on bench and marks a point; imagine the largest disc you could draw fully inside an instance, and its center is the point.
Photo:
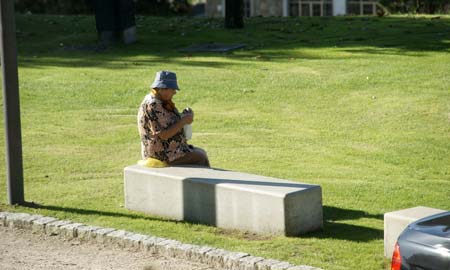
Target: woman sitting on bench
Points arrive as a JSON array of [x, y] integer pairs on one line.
[[160, 125]]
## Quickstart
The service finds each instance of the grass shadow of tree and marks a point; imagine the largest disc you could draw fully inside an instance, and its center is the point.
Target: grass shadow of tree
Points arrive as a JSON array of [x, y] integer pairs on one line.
[[274, 39]]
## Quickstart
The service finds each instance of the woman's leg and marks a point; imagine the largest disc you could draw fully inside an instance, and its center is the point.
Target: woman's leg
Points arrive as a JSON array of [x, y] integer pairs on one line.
[[197, 157]]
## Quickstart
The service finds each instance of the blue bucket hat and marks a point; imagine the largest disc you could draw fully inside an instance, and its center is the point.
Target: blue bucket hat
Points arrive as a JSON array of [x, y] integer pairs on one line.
[[165, 79]]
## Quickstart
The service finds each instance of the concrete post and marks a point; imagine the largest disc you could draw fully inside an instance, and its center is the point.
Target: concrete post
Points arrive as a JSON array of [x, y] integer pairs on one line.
[[285, 8], [339, 7]]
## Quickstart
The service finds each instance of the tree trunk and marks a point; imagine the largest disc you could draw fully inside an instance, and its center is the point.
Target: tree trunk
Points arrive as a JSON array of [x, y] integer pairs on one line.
[[115, 20], [234, 14]]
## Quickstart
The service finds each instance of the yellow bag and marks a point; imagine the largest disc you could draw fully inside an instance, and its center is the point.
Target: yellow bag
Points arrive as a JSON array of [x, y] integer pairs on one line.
[[153, 163]]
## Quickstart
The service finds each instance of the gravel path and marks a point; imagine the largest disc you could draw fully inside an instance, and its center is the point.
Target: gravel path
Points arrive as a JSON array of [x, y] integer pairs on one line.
[[21, 249]]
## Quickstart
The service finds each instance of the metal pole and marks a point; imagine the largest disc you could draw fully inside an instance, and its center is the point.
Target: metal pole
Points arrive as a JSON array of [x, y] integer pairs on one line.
[[11, 103]]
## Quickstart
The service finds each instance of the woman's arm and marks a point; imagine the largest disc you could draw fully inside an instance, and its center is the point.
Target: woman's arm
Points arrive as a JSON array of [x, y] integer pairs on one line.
[[175, 128]]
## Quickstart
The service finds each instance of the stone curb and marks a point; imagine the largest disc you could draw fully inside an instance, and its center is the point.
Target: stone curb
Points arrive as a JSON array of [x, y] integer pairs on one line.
[[214, 257]]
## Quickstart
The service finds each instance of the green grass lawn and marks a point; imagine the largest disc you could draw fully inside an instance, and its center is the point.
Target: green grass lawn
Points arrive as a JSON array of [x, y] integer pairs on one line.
[[360, 106]]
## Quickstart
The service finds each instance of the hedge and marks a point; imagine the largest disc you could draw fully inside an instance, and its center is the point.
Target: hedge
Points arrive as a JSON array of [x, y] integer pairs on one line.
[[149, 7]]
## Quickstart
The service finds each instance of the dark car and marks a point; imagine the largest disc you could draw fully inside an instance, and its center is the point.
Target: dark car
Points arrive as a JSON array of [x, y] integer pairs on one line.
[[424, 245]]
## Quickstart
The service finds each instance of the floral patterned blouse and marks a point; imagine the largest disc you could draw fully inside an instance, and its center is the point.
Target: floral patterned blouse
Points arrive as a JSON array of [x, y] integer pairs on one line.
[[153, 118]]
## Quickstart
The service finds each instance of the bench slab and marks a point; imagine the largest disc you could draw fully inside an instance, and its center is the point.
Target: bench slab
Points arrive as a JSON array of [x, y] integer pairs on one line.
[[395, 222], [225, 199]]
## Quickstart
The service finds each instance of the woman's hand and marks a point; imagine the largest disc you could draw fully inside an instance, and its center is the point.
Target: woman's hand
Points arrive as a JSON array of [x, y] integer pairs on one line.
[[188, 118]]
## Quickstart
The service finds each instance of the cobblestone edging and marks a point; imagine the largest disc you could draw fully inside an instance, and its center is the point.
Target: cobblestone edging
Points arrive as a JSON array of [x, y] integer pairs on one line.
[[211, 256]]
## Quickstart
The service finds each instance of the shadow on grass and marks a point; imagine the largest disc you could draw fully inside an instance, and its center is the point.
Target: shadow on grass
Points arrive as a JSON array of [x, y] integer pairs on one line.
[[332, 229], [116, 62], [349, 232], [89, 212], [332, 214], [335, 229]]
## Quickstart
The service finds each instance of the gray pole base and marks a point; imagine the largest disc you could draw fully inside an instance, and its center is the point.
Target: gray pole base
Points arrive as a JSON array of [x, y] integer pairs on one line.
[[106, 37], [127, 36]]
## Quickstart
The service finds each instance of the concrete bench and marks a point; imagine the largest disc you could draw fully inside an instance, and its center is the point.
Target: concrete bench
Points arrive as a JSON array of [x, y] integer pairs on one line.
[[395, 222], [224, 199]]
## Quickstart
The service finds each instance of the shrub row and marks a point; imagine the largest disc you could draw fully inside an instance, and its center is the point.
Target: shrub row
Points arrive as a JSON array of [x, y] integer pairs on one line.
[[148, 7], [164, 7], [417, 6]]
